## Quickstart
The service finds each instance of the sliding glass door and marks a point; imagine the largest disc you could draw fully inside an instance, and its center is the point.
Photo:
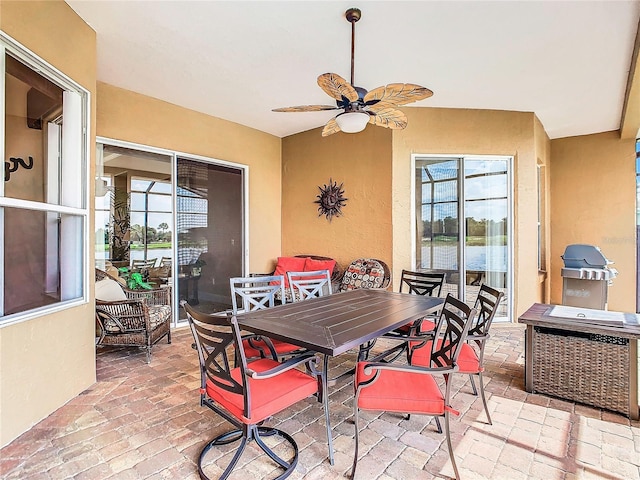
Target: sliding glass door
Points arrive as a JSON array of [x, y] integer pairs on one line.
[[210, 232], [478, 249], [185, 231]]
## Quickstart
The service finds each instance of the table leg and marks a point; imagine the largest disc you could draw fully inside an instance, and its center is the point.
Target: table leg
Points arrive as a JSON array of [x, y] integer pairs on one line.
[[528, 360], [325, 401]]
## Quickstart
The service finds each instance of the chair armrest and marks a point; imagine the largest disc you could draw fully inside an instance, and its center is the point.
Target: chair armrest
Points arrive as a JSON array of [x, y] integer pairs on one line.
[[126, 315], [283, 367], [370, 366], [265, 340]]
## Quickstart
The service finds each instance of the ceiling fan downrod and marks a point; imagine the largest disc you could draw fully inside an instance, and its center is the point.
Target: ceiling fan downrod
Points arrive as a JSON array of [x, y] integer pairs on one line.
[[353, 15]]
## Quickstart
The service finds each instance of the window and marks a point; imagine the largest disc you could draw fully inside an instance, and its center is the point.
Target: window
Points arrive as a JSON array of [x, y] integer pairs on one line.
[[151, 215], [43, 199]]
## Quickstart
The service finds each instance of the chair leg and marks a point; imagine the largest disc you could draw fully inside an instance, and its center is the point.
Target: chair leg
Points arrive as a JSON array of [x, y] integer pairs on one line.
[[451, 454], [325, 404], [473, 385], [248, 433], [355, 455], [438, 426], [272, 431], [484, 399]]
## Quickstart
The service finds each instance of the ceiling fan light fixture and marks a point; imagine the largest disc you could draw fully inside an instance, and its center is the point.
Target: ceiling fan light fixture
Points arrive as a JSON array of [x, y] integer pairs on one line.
[[352, 122]]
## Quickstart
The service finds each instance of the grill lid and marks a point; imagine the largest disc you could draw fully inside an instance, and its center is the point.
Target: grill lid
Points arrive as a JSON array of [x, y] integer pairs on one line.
[[584, 256]]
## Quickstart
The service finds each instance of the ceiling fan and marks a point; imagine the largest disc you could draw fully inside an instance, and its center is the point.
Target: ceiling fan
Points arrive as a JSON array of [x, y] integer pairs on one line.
[[362, 107]]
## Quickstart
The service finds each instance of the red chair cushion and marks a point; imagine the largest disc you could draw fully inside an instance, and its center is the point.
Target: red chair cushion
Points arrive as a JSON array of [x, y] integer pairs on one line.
[[289, 264], [252, 349], [426, 326], [404, 392], [468, 361], [311, 265], [269, 396]]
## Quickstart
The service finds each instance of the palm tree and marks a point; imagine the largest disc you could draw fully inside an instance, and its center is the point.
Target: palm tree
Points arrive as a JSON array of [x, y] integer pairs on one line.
[[163, 227]]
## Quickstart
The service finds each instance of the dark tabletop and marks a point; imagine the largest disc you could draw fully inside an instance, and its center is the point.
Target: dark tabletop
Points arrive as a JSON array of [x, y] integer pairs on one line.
[[336, 323]]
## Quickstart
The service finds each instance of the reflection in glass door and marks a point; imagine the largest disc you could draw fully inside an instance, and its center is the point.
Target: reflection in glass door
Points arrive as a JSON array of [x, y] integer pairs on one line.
[[210, 232], [476, 189]]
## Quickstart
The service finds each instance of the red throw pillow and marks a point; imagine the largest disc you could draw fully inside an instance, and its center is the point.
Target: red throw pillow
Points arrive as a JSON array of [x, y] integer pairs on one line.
[[289, 264], [312, 265]]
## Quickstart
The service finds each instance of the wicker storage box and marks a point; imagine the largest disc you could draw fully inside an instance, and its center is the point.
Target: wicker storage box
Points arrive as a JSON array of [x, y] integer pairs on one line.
[[584, 367]]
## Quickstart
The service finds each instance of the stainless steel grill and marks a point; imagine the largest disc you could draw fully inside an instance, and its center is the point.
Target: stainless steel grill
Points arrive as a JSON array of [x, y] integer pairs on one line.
[[586, 277]]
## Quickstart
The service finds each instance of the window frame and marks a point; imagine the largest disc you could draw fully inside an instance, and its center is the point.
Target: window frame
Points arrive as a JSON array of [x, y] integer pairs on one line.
[[10, 46]]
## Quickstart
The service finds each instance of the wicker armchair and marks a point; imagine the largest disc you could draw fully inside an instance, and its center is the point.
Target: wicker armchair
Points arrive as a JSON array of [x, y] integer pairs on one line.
[[142, 319]]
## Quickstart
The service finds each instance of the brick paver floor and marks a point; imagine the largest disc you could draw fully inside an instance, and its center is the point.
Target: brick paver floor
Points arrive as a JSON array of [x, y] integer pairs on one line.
[[144, 421]]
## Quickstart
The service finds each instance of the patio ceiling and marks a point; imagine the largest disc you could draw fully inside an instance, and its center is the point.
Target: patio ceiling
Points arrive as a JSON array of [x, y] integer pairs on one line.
[[568, 61]]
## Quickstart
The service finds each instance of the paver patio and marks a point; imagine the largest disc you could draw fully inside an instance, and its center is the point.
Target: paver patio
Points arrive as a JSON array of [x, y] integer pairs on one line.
[[144, 421]]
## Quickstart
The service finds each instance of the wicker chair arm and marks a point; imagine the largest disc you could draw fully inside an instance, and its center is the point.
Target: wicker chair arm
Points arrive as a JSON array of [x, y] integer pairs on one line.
[[126, 315], [157, 296]]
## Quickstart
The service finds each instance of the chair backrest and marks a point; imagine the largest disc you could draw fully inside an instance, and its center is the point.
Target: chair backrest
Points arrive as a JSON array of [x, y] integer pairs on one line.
[[217, 340], [486, 304], [256, 293], [140, 264], [305, 285], [451, 331], [422, 283], [366, 273], [165, 262]]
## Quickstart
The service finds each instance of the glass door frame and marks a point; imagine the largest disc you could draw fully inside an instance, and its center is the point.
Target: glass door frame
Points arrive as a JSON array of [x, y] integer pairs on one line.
[[174, 154], [462, 223]]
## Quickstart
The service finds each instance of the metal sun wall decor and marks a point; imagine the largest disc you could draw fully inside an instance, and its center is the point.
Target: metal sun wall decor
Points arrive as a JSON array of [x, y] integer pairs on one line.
[[330, 200]]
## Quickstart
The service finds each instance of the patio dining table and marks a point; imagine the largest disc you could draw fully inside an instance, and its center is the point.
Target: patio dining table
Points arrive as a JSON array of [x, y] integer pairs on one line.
[[336, 323]]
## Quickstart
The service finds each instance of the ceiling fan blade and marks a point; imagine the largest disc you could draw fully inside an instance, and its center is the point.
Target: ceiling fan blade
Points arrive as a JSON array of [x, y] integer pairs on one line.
[[305, 108], [330, 128], [389, 118], [398, 93], [380, 106], [337, 87]]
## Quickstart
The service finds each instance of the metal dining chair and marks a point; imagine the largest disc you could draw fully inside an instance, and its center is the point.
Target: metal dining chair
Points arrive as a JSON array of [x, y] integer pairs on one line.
[[258, 293], [408, 389], [306, 285], [420, 283], [471, 360], [248, 394], [415, 283]]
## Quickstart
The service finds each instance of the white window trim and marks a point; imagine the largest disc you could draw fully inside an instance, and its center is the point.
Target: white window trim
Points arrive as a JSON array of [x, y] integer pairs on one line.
[[39, 65]]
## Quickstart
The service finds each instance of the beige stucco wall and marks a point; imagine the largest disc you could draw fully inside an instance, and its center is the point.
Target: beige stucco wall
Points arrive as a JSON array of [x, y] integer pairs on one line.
[[593, 191], [129, 116], [362, 163], [375, 167], [463, 131], [44, 362], [543, 159]]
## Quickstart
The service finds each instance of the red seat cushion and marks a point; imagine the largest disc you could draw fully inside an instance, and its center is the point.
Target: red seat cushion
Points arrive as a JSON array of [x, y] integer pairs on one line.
[[253, 349], [468, 361], [269, 396], [289, 264], [404, 392]]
